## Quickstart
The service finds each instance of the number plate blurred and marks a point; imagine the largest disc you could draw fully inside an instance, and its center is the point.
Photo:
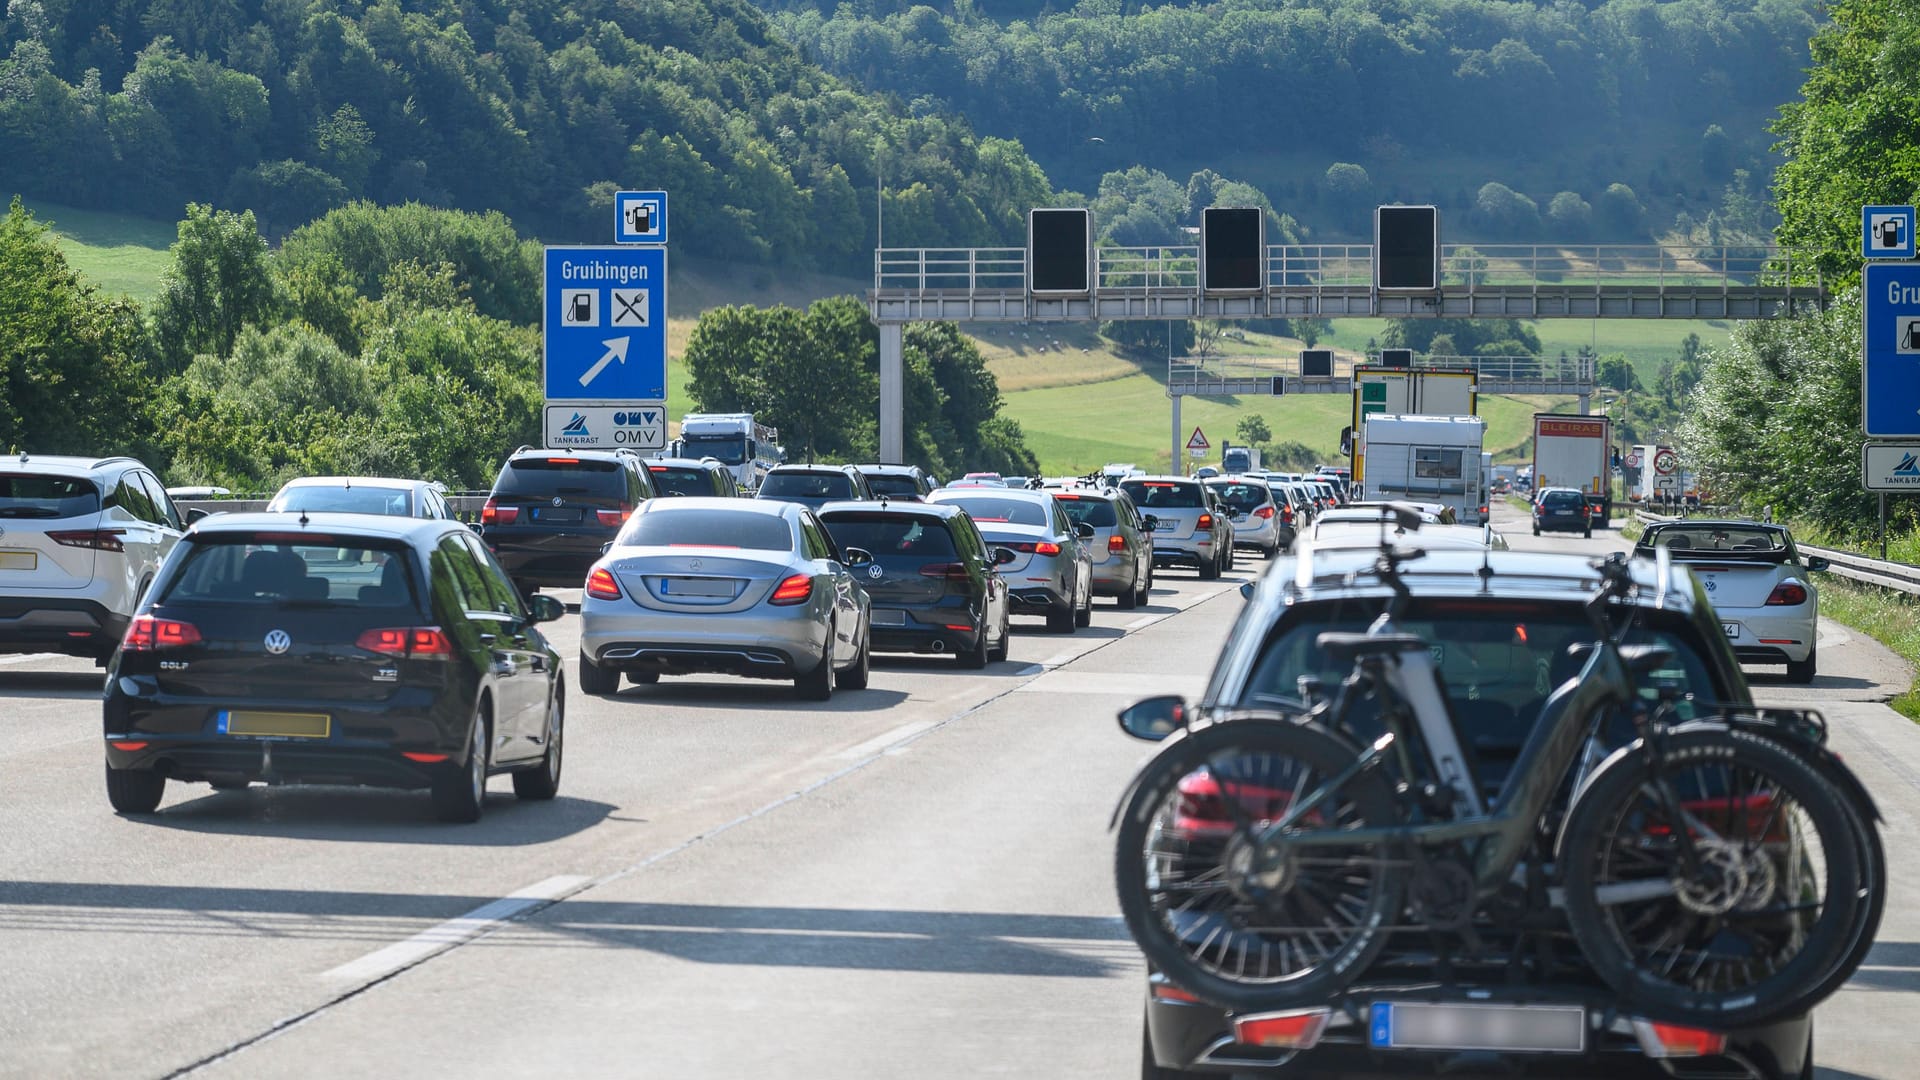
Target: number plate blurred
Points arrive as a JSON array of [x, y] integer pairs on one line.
[[1731, 629], [883, 617], [1165, 525], [279, 724], [1409, 1025], [696, 586], [19, 560]]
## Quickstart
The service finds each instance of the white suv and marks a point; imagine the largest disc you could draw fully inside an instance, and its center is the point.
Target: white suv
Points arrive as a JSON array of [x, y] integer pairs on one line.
[[80, 540]]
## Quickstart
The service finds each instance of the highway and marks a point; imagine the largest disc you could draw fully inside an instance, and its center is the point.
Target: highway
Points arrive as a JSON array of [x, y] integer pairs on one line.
[[912, 880]]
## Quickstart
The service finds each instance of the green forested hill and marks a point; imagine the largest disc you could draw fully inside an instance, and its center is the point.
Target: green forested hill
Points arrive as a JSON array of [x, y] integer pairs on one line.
[[539, 110], [1414, 100]]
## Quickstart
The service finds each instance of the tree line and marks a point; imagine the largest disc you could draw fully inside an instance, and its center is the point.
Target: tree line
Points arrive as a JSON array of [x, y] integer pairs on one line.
[[405, 341]]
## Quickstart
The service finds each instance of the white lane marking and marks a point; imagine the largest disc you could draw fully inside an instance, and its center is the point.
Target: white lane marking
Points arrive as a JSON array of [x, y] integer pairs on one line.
[[1030, 669], [1143, 622], [402, 954], [1058, 659], [882, 741], [29, 658]]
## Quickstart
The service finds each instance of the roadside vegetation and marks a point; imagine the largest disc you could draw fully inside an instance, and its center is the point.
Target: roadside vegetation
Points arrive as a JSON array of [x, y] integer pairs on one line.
[[1892, 618]]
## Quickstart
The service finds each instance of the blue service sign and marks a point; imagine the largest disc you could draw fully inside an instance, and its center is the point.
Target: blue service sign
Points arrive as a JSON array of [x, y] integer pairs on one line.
[[1886, 232], [1890, 367], [640, 217], [605, 326]]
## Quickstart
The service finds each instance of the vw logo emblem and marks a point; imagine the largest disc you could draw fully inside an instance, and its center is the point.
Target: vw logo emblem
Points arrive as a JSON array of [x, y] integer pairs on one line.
[[875, 571], [1712, 584], [278, 641], [556, 500]]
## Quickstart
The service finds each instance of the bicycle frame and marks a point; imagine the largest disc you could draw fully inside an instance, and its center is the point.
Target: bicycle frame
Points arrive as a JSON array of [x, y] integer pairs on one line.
[[1551, 748]]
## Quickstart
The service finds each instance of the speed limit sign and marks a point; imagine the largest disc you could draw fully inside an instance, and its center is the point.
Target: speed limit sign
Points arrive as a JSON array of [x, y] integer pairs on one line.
[[1633, 460], [1665, 461]]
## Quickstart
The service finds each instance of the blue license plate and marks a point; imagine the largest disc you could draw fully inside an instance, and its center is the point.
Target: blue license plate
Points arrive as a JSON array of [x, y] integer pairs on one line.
[[1419, 1025]]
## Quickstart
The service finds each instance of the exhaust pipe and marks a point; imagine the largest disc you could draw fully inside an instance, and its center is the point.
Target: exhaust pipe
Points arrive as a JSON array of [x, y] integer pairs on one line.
[[939, 646]]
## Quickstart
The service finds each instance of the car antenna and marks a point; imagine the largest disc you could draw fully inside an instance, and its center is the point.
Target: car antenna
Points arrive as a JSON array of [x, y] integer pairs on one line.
[[303, 519], [1485, 572]]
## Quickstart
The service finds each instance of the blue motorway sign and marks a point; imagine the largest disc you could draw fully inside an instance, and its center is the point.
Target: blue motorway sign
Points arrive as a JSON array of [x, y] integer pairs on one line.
[[640, 217], [606, 324], [1886, 232], [1890, 368]]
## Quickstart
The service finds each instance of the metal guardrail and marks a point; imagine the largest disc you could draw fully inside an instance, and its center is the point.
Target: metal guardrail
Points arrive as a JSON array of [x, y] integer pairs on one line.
[[1885, 573]]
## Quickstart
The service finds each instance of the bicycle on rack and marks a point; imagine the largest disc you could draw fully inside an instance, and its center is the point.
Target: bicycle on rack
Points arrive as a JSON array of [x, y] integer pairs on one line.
[[1721, 872]]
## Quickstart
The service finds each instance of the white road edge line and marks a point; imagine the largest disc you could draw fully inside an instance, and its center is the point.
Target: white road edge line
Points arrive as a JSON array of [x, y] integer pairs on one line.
[[1143, 622], [454, 931], [29, 658], [885, 739]]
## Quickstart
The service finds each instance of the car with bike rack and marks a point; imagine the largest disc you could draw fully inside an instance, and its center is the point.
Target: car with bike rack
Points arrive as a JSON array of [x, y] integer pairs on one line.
[[1494, 809]]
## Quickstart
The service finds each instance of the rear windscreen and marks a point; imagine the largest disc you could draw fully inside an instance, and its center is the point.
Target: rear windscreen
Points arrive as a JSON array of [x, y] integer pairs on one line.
[[1242, 497], [797, 485], [560, 476], [1563, 498], [893, 485], [1095, 512], [987, 508], [1163, 494], [708, 528], [1713, 540], [681, 481], [265, 569], [883, 535], [25, 495], [359, 500]]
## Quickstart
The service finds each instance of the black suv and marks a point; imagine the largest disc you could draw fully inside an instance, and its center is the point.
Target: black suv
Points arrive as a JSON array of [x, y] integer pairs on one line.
[[1499, 626], [693, 476], [814, 485], [551, 511], [909, 482], [933, 580]]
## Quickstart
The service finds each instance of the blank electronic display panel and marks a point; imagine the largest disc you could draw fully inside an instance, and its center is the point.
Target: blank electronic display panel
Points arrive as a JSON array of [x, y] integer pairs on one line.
[[1406, 248], [1233, 247], [1060, 251]]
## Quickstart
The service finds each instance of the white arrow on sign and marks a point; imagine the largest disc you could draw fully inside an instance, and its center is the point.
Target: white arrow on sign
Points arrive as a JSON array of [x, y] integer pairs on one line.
[[616, 350]]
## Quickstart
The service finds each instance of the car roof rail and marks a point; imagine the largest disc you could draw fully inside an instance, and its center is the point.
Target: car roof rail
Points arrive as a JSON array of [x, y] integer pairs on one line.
[[113, 458]]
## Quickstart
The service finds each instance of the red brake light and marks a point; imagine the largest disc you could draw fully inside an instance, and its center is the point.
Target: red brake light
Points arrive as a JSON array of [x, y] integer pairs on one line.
[[146, 633], [1263, 513], [423, 757], [129, 745], [494, 514], [1674, 1041], [419, 642], [101, 539], [793, 590], [613, 518], [563, 461], [1787, 594], [1286, 514], [1046, 547], [1296, 1030], [1206, 521], [952, 570], [1116, 543], [1169, 992], [601, 586]]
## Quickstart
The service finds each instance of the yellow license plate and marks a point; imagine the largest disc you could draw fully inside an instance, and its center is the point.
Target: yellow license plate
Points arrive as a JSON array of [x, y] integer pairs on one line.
[[19, 560], [283, 724]]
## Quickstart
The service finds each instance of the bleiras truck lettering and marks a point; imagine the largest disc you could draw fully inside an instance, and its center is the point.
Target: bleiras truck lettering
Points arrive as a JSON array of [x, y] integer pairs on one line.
[[746, 448], [1574, 452]]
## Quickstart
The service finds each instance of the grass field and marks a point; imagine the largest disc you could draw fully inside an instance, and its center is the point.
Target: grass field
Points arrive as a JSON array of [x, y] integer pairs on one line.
[[122, 255]]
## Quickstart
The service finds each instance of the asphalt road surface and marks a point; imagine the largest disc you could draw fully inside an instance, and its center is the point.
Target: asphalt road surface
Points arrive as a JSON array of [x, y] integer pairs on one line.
[[913, 880]]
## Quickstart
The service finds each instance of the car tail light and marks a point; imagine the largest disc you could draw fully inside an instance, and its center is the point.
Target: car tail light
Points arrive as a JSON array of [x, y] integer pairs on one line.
[[495, 514], [129, 744], [952, 570], [1168, 992], [1286, 515], [1787, 594], [1044, 547], [1206, 522], [1264, 513], [793, 590], [601, 586], [1659, 1040], [1288, 1030], [423, 758], [100, 539], [418, 642], [1116, 544], [563, 461], [614, 518], [146, 633]]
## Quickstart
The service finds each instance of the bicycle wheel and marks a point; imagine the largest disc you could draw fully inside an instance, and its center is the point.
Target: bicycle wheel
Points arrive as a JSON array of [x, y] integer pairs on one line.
[[1237, 930], [1770, 923], [1872, 856]]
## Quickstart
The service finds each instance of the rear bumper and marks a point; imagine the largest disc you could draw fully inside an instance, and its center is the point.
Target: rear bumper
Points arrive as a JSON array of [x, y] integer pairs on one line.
[[182, 740], [1118, 576], [1198, 1037], [68, 625], [547, 558], [1771, 636], [1188, 552], [767, 643], [1262, 536], [1577, 523]]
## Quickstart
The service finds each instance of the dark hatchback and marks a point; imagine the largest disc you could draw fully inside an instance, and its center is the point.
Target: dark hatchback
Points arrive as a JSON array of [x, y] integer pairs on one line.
[[814, 486], [932, 581], [693, 477], [551, 511], [1499, 625], [334, 649], [903, 482]]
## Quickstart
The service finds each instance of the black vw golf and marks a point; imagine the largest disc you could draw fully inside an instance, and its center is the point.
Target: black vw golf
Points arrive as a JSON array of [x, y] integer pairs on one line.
[[334, 649]]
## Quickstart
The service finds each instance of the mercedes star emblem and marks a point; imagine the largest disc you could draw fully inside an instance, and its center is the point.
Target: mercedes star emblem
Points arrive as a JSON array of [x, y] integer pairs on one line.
[[695, 564], [875, 571], [278, 641]]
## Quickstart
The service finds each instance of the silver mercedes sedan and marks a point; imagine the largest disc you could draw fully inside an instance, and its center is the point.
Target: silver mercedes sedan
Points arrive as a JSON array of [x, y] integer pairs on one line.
[[734, 586]]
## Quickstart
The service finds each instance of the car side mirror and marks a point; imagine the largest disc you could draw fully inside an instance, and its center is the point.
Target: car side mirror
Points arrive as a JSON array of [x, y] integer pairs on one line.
[[198, 514], [1150, 522], [1003, 556], [1083, 530], [546, 608], [1154, 718], [1246, 590], [1818, 563], [854, 556], [606, 547]]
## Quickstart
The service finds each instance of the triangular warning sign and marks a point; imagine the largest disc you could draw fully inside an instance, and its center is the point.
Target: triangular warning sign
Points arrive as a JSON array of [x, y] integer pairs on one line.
[[1199, 440]]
